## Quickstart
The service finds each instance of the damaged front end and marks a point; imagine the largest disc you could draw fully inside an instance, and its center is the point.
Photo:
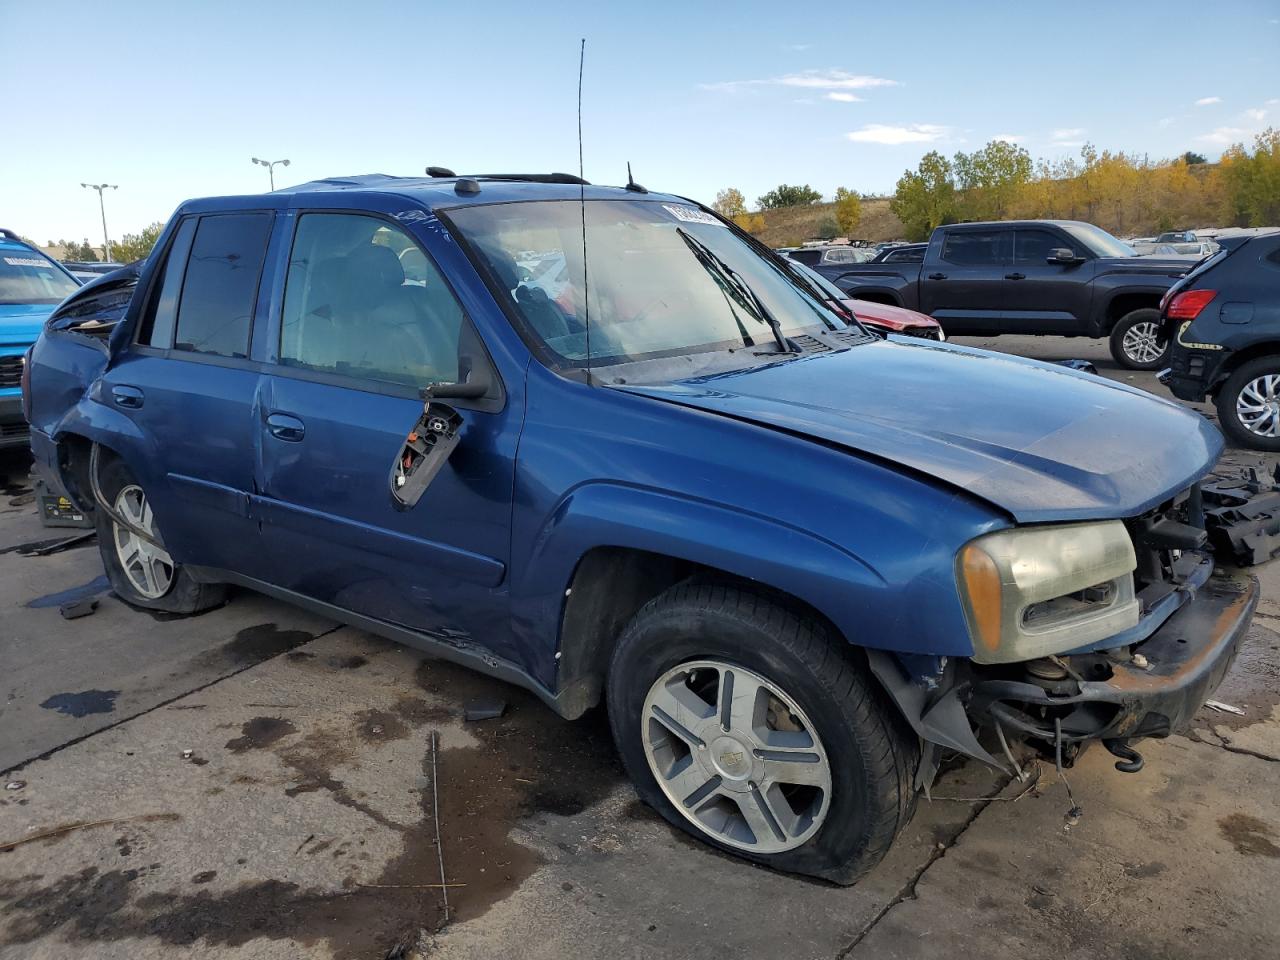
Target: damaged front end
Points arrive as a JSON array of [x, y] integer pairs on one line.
[[1172, 626]]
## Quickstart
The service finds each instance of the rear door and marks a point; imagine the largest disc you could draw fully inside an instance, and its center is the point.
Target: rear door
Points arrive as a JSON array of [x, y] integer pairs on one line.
[[1043, 297], [189, 386], [963, 288], [366, 320]]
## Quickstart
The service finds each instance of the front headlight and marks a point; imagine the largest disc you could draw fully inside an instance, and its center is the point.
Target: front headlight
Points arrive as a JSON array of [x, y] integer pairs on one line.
[[1034, 591]]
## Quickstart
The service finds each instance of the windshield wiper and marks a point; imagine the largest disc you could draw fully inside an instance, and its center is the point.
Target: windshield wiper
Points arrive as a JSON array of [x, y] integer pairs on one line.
[[744, 294]]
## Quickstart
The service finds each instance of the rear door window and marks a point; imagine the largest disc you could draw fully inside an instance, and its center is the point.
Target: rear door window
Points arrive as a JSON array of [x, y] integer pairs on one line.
[[215, 310], [975, 248]]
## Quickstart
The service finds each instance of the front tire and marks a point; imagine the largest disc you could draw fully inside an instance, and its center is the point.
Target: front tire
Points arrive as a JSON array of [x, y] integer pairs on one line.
[[755, 730], [143, 573], [1138, 341], [1249, 404]]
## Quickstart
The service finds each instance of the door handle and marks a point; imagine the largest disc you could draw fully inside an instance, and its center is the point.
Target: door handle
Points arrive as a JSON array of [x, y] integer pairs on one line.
[[126, 396], [1015, 276], [937, 276], [284, 427]]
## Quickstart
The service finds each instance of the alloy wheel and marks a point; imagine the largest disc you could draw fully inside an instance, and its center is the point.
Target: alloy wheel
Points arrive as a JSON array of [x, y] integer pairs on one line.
[[147, 565], [1258, 405], [736, 755], [1142, 342]]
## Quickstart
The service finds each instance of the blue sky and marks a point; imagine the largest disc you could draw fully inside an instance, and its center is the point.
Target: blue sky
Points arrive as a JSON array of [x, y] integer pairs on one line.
[[697, 96]]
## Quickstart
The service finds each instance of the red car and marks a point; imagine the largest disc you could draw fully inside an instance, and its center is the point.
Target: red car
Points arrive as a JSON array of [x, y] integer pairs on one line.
[[881, 316]]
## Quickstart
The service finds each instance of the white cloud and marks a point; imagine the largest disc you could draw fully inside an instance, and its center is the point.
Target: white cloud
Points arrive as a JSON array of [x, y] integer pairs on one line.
[[1256, 114], [1226, 135], [1009, 137], [1068, 137], [841, 97], [1165, 122], [808, 80], [895, 136], [1208, 101]]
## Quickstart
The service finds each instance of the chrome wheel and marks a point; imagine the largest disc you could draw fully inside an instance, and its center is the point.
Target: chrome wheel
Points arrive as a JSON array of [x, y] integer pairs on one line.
[[1142, 342], [736, 756], [148, 566], [1258, 405]]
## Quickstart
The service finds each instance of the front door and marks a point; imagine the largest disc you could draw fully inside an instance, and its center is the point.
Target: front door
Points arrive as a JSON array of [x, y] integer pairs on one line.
[[964, 288], [190, 388], [367, 320], [1044, 297]]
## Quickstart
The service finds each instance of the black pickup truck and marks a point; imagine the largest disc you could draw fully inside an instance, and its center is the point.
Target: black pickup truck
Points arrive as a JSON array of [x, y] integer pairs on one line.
[[1059, 277]]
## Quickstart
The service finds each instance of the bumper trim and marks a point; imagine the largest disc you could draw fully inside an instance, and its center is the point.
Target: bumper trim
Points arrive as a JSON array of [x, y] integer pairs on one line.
[[1188, 657]]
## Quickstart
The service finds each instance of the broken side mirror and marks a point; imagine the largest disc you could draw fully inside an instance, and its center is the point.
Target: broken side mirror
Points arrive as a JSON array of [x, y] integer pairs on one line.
[[431, 441]]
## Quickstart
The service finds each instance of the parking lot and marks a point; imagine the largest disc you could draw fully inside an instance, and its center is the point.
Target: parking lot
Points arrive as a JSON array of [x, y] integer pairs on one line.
[[259, 782]]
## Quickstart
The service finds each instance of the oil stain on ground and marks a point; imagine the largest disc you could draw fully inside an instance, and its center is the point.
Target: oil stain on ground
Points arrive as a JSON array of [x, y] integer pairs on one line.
[[255, 644], [525, 766], [1249, 835], [260, 733], [82, 704]]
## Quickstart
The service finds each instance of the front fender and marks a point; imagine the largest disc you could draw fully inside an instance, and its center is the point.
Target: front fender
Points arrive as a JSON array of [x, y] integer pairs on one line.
[[99, 423], [858, 599]]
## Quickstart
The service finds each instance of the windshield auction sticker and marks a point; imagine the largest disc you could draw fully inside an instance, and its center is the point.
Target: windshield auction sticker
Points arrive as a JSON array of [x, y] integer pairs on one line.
[[691, 214], [25, 262]]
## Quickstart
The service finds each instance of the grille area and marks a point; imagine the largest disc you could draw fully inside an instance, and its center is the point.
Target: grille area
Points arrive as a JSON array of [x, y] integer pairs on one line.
[[10, 371]]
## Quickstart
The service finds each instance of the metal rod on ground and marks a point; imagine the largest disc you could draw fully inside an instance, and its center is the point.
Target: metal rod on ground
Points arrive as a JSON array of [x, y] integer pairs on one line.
[[435, 811]]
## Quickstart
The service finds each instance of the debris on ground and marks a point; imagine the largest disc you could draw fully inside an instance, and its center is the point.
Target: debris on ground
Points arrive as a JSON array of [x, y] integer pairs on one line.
[[484, 708], [1084, 366], [78, 608], [15, 784], [1224, 707], [43, 548], [1242, 516]]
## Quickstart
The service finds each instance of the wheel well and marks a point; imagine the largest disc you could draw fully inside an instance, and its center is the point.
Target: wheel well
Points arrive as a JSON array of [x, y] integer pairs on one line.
[[1126, 303], [608, 588], [1240, 357], [874, 296], [73, 463]]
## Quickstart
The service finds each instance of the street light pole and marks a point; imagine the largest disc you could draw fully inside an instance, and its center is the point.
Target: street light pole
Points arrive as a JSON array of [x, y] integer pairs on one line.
[[102, 206], [271, 168]]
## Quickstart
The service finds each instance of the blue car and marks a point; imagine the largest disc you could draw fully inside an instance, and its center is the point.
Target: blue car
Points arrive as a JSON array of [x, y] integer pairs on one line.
[[798, 560], [31, 285]]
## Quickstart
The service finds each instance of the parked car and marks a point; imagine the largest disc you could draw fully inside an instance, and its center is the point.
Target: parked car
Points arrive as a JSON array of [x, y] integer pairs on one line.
[[832, 256], [901, 253], [1223, 320], [86, 270], [799, 561], [1177, 236], [878, 316], [31, 285], [1059, 277]]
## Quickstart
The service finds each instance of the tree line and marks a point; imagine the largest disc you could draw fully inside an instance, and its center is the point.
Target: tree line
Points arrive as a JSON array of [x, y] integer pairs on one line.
[[1124, 193], [133, 246]]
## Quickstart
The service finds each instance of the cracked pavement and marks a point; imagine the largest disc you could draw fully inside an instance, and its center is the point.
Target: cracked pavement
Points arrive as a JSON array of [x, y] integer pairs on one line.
[[258, 782]]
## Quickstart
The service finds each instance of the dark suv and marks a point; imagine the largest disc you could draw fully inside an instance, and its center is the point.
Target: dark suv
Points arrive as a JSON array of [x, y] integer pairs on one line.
[[1223, 321], [600, 443]]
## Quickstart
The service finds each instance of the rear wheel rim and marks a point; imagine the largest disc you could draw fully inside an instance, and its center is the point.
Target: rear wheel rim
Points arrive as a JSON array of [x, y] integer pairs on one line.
[[1142, 342], [148, 566], [1258, 405], [736, 755]]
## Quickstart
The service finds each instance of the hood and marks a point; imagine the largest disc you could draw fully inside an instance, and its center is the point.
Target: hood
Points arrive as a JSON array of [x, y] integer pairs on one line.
[[21, 323], [1042, 442], [894, 318], [1171, 267]]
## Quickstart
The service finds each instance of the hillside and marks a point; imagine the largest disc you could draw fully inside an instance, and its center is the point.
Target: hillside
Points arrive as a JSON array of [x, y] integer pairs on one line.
[[790, 226]]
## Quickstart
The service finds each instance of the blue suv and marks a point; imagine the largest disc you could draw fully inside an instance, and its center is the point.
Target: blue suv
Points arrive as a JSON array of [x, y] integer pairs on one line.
[[599, 443], [31, 285]]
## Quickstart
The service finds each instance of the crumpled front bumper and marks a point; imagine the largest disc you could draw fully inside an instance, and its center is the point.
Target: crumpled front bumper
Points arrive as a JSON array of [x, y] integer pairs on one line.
[[1153, 688]]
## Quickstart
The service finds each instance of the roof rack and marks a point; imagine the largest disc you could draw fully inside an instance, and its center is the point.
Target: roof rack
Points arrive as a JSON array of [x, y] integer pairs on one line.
[[532, 177]]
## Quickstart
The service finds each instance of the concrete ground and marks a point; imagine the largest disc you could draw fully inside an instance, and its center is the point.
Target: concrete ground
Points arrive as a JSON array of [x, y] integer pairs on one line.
[[257, 782]]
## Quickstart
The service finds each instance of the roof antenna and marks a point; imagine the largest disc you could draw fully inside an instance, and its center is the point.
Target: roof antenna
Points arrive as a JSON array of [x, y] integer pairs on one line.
[[582, 203], [636, 188]]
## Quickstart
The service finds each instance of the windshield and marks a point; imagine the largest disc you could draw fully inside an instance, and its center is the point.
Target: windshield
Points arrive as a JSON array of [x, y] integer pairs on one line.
[[30, 277], [1099, 241], [662, 279], [828, 289]]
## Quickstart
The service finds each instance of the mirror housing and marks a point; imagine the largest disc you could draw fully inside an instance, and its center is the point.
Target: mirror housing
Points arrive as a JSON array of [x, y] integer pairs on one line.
[[1062, 255]]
